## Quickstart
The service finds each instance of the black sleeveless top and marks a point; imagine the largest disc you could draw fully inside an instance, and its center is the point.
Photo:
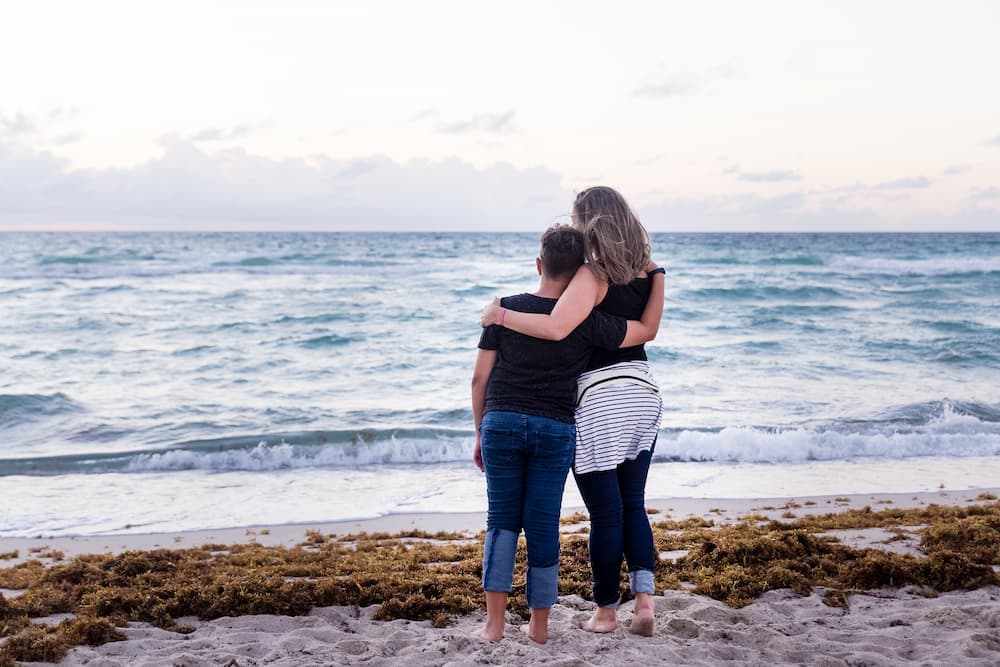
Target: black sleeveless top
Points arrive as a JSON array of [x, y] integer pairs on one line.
[[626, 301]]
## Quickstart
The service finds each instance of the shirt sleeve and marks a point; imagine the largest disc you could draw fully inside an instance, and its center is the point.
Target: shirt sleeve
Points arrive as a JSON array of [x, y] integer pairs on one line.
[[606, 331], [490, 338]]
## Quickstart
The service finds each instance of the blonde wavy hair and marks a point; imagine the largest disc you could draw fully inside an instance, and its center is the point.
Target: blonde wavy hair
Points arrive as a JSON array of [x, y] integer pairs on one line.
[[615, 242]]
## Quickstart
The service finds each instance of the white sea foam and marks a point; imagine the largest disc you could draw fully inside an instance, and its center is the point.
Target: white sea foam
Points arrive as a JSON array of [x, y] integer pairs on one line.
[[741, 444], [950, 434], [285, 456]]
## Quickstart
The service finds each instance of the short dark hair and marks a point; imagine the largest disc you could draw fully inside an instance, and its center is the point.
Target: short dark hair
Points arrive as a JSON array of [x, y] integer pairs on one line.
[[562, 251]]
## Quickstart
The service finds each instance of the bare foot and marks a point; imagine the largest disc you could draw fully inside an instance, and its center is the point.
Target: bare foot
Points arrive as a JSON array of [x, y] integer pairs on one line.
[[489, 634], [603, 620], [538, 637], [643, 622]]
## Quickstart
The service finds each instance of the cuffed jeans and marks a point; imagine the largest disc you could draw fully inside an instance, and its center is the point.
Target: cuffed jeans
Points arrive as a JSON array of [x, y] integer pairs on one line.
[[527, 459], [616, 500]]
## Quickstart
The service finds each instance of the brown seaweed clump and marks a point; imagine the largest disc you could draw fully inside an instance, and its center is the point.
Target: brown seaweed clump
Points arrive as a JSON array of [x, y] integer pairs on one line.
[[737, 563], [418, 580], [436, 576]]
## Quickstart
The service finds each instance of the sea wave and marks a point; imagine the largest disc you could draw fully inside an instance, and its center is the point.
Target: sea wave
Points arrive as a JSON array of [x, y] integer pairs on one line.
[[936, 428], [350, 448], [330, 340], [944, 267], [19, 408], [767, 292]]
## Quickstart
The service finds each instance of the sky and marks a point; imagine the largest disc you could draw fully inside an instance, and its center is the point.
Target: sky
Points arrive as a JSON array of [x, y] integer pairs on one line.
[[708, 116]]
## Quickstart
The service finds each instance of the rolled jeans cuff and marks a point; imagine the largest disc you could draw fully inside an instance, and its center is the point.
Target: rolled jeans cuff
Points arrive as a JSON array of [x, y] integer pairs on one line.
[[498, 560], [641, 581], [542, 587]]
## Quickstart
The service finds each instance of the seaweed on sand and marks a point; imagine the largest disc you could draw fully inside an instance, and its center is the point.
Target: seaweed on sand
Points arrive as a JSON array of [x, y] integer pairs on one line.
[[737, 563], [436, 576]]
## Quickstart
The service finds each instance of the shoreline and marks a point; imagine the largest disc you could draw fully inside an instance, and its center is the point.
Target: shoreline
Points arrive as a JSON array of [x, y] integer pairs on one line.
[[196, 500], [722, 511]]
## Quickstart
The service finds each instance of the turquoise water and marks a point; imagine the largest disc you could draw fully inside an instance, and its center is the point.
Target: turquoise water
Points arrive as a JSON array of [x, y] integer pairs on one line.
[[139, 371]]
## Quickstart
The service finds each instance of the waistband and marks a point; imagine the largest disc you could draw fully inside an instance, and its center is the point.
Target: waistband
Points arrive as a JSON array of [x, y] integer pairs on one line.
[[624, 373]]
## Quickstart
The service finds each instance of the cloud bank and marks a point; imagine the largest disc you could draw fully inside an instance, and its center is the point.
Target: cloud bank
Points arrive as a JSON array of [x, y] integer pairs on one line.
[[188, 188]]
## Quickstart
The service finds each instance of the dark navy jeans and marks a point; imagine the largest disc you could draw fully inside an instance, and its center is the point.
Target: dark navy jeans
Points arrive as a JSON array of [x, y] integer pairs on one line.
[[616, 500], [527, 459]]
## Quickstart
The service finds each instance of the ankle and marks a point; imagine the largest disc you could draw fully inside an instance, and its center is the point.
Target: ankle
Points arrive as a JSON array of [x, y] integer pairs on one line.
[[606, 613], [644, 601]]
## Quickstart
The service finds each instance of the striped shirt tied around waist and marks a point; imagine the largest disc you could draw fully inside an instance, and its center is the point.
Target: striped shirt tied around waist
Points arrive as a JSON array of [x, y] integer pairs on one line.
[[618, 415]]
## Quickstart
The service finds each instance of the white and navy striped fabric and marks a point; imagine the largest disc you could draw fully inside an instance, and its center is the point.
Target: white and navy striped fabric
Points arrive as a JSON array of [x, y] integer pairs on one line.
[[616, 419]]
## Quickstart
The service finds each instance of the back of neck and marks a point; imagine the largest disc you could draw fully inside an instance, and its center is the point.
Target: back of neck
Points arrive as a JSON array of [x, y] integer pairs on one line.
[[551, 289]]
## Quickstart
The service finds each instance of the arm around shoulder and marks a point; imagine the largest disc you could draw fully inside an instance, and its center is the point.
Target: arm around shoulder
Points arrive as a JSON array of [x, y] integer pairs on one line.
[[573, 306]]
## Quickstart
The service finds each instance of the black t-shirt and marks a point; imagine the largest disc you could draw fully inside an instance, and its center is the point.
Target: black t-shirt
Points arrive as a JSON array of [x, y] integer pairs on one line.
[[626, 301], [538, 377]]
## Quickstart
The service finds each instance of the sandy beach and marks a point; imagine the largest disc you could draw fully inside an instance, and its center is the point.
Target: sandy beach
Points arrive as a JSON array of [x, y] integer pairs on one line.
[[876, 627], [782, 628]]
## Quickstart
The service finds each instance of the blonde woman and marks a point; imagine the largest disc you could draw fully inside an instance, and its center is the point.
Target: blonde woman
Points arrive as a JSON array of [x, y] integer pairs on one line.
[[618, 408]]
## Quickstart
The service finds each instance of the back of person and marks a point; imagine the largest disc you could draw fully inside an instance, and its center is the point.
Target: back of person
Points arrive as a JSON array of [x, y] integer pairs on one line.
[[523, 397], [538, 377], [626, 301]]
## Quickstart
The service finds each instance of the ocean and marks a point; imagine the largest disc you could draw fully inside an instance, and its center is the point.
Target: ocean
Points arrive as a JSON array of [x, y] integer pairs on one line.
[[171, 381]]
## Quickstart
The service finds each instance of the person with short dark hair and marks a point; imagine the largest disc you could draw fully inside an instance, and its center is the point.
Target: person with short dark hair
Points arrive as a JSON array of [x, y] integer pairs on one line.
[[523, 397]]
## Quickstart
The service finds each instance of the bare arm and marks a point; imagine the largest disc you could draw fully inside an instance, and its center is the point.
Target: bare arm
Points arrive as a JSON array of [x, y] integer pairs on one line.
[[573, 306], [485, 359], [645, 330]]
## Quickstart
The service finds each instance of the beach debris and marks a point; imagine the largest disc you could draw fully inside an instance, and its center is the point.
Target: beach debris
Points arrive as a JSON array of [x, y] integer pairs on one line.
[[434, 577]]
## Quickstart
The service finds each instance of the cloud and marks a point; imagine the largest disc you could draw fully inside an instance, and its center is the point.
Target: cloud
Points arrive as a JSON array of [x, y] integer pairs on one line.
[[955, 170], [769, 176], [361, 166], [18, 125], [62, 114], [917, 183], [424, 114], [644, 162], [735, 213], [187, 188], [219, 134], [47, 128], [673, 86], [774, 176], [69, 138], [489, 123], [802, 211], [498, 123], [685, 83], [985, 194]]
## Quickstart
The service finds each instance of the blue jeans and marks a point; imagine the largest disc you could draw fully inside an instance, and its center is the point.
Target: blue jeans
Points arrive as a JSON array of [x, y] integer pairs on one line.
[[616, 500], [527, 459]]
